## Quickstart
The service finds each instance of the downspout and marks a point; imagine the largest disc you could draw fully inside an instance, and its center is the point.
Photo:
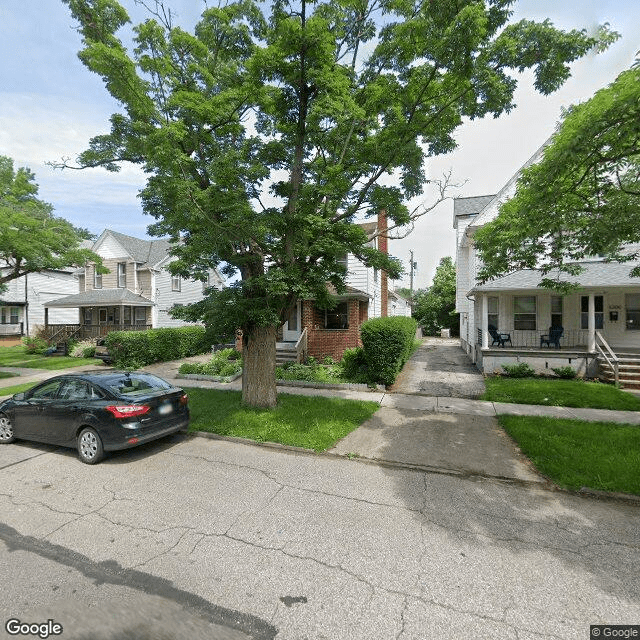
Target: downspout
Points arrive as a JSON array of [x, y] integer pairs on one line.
[[26, 304]]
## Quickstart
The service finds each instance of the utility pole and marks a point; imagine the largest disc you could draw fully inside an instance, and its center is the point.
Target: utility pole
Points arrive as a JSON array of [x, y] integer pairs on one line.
[[413, 266]]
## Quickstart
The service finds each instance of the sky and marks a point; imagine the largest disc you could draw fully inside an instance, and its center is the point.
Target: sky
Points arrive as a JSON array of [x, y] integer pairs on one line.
[[51, 105]]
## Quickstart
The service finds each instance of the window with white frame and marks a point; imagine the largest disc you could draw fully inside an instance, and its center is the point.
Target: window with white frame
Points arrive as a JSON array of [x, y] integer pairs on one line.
[[556, 311], [122, 275], [141, 315], [97, 279], [14, 314], [524, 313], [598, 303], [632, 311], [176, 283], [492, 312]]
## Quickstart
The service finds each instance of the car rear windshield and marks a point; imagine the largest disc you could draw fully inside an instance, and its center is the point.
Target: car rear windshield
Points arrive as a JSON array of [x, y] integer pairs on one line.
[[138, 384]]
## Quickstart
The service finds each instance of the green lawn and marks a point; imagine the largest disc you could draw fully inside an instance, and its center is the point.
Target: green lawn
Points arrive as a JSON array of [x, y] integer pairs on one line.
[[9, 391], [18, 357], [300, 421], [559, 393], [576, 454], [4, 374]]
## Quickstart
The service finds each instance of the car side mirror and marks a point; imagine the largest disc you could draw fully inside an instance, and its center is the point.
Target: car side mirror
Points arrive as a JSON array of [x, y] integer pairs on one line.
[[19, 396]]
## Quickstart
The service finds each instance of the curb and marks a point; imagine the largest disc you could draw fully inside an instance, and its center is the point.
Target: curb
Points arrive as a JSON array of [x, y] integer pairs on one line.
[[547, 485], [347, 386]]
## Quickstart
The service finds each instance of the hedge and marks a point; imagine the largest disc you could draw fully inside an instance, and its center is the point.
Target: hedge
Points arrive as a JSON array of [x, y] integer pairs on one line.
[[387, 344], [135, 349]]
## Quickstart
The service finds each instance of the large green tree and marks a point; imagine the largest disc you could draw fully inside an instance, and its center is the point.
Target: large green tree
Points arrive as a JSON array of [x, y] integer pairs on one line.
[[434, 308], [583, 197], [272, 129], [32, 239]]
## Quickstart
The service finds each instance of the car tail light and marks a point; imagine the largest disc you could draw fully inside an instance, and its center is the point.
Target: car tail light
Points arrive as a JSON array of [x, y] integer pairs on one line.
[[184, 398], [127, 410]]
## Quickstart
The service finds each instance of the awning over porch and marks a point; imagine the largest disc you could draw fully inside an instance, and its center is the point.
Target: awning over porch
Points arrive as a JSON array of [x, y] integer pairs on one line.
[[101, 298]]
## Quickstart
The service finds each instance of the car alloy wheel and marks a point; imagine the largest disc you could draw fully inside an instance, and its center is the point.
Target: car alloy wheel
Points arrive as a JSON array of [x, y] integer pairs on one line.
[[90, 448], [6, 430]]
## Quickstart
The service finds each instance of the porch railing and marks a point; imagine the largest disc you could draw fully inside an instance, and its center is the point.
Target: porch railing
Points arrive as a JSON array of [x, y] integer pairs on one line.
[[521, 339], [60, 332], [302, 348], [609, 355], [12, 329]]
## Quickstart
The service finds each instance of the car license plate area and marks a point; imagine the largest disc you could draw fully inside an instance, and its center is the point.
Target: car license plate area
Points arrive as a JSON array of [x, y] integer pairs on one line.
[[165, 409]]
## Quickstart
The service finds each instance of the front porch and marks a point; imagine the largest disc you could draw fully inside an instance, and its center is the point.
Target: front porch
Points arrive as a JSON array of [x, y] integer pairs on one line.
[[56, 333]]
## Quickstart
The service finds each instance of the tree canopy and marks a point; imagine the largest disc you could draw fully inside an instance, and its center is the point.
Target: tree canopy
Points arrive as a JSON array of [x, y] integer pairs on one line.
[[272, 129], [32, 239], [434, 308], [582, 199]]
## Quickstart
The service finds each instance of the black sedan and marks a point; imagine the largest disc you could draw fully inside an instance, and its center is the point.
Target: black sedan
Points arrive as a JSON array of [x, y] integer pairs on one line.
[[95, 412]]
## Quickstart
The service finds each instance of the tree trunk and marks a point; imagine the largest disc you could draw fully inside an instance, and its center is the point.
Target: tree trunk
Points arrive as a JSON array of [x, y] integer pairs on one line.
[[259, 372]]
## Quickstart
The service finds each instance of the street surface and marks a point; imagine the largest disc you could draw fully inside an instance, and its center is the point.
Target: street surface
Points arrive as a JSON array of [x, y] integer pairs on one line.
[[205, 538]]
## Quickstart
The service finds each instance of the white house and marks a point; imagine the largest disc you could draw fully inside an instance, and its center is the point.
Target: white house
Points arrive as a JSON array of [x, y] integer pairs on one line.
[[138, 291], [398, 305], [511, 319], [22, 308]]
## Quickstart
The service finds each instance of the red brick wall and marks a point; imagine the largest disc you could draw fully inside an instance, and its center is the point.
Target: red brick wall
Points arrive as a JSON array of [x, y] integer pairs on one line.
[[332, 342]]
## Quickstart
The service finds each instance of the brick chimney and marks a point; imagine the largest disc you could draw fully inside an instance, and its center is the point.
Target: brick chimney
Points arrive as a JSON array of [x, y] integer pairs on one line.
[[383, 243]]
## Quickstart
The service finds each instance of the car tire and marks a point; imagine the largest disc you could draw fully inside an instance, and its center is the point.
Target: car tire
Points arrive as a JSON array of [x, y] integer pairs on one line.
[[6, 429], [90, 450]]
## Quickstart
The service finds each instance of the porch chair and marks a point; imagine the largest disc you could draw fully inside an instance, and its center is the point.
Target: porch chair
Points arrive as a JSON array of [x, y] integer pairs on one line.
[[499, 338], [552, 338]]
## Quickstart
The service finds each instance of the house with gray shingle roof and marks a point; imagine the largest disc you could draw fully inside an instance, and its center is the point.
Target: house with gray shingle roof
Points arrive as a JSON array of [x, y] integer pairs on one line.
[[138, 292], [512, 319]]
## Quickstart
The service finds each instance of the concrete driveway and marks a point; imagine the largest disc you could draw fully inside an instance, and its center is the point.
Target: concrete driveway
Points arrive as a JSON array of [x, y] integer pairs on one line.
[[440, 368]]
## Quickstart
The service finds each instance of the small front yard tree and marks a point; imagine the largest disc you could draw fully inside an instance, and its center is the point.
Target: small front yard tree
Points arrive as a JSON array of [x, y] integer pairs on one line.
[[269, 131], [32, 239]]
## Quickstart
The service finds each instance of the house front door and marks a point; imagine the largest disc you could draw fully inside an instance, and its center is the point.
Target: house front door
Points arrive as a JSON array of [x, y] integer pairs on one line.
[[291, 329]]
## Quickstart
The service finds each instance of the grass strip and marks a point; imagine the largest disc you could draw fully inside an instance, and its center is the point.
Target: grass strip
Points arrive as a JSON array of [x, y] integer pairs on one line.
[[559, 393], [576, 454], [300, 421], [9, 391]]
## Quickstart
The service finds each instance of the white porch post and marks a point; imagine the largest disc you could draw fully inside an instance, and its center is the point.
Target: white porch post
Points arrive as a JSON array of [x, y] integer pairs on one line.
[[591, 326], [484, 322]]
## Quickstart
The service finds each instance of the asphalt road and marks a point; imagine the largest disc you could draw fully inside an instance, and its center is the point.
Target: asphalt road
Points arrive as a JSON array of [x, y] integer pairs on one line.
[[190, 538]]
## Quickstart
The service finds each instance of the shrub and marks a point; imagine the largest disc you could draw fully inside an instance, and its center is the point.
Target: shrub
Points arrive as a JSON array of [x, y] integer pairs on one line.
[[520, 370], [328, 360], [35, 345], [387, 344], [354, 365], [223, 363], [568, 373], [84, 349], [134, 349]]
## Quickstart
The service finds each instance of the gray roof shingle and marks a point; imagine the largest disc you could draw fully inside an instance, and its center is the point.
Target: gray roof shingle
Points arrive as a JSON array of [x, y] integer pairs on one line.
[[595, 274], [101, 297]]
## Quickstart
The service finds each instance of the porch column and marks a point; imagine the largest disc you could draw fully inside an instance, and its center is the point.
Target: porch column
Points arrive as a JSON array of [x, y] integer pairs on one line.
[[484, 322], [591, 326]]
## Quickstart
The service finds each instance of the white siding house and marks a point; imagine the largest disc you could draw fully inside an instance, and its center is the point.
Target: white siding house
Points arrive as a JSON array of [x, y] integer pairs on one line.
[[138, 291], [512, 319]]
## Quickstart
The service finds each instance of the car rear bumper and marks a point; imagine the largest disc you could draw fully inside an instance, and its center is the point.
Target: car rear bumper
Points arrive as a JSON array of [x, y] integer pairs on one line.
[[133, 439]]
